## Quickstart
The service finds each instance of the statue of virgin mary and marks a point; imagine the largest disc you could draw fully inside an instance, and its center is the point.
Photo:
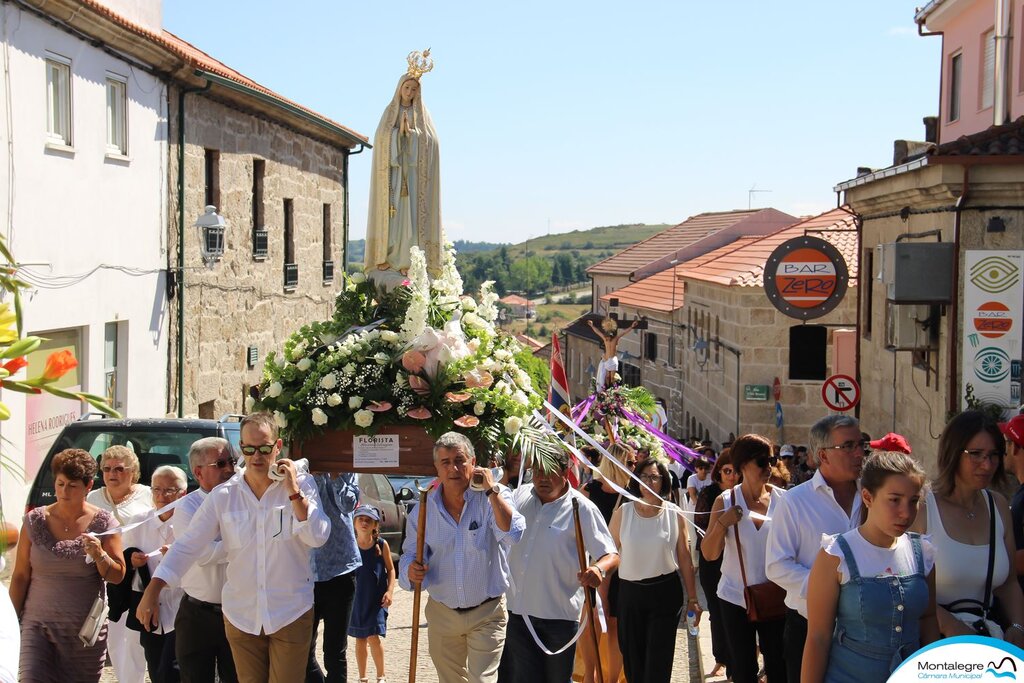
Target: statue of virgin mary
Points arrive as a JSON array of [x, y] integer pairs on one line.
[[405, 205]]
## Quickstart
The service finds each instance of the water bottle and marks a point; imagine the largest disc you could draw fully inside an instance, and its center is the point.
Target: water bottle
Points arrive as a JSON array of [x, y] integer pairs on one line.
[[691, 623]]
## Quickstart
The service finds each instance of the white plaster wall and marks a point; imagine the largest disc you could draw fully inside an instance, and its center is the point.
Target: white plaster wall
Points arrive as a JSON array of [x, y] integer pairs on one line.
[[75, 212]]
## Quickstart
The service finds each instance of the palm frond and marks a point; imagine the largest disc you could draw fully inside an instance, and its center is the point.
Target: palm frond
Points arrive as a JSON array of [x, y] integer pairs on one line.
[[538, 445], [641, 399]]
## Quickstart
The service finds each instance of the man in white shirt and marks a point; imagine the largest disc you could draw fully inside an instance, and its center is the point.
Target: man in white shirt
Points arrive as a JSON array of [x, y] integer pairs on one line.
[[269, 529], [828, 503], [699, 479], [201, 646], [546, 585]]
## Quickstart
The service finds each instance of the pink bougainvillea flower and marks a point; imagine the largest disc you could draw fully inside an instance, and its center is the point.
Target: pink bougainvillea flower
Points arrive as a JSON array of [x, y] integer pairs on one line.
[[467, 421], [458, 397], [419, 413], [379, 406], [478, 378], [419, 385], [413, 361]]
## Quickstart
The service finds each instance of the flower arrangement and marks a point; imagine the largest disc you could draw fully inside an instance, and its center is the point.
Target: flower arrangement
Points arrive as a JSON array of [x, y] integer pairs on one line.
[[423, 353]]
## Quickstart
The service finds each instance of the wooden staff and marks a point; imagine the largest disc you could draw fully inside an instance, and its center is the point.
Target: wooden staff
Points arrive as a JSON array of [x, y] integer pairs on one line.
[[592, 627], [420, 532]]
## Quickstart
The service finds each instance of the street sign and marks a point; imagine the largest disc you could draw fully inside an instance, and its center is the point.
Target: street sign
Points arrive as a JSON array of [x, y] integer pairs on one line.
[[840, 392], [777, 389], [778, 415], [755, 392], [805, 277]]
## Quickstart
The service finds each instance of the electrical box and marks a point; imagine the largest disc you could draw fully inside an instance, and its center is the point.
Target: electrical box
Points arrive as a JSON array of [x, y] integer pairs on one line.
[[906, 327], [918, 272]]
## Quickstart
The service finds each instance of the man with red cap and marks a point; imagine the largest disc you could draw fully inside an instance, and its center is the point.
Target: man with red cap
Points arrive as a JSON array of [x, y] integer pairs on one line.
[[891, 442], [1014, 433]]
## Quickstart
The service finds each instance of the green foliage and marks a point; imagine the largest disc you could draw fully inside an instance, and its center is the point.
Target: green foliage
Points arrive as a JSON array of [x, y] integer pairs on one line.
[[531, 275], [536, 368]]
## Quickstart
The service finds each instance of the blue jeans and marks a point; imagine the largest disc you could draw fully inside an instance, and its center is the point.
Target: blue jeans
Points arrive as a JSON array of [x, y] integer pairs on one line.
[[524, 662]]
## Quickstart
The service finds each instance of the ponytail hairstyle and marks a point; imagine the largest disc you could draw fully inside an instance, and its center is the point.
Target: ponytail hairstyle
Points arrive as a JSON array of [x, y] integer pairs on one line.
[[881, 465], [375, 535]]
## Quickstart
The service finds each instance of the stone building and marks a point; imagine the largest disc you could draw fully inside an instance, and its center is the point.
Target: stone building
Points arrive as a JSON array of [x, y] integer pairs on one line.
[[695, 236], [714, 344]]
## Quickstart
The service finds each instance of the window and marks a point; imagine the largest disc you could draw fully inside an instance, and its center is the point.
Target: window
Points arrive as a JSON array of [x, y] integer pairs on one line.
[[807, 349], [117, 115], [672, 350], [955, 81], [651, 346], [988, 48], [58, 100], [328, 261], [211, 177], [291, 269], [630, 375], [867, 285], [260, 245]]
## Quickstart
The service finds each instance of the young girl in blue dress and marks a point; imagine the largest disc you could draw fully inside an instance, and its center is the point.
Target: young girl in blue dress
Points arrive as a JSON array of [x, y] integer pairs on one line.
[[375, 586], [871, 592]]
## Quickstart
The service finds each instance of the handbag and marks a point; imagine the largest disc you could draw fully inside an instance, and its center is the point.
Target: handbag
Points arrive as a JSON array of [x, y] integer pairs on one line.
[[765, 601], [984, 617], [94, 622]]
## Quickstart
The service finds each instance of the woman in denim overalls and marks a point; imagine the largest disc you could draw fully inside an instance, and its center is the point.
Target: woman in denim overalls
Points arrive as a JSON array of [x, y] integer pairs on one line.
[[871, 592]]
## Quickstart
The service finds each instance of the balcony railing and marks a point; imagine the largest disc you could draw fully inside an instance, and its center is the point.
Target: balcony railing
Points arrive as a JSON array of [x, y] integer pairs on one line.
[[260, 244], [328, 272], [291, 275]]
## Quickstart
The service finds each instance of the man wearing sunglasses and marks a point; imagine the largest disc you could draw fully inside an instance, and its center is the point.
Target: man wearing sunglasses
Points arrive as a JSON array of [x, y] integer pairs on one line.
[[269, 528], [201, 647], [828, 503]]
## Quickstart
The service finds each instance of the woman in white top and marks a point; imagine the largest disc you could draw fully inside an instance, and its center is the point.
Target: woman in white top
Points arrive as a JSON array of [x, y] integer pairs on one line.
[[654, 555], [957, 518], [731, 515], [129, 501], [168, 485]]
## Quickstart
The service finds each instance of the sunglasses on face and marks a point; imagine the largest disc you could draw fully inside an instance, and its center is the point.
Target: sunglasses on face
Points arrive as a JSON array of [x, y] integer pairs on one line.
[[222, 463], [728, 470], [765, 460], [265, 449], [116, 469]]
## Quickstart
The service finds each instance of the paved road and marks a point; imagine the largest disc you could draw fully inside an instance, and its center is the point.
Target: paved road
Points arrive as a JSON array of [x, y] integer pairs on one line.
[[397, 646]]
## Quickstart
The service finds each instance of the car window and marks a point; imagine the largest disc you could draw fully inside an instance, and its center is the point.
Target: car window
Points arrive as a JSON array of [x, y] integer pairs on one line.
[[368, 487], [384, 491], [234, 437], [153, 448]]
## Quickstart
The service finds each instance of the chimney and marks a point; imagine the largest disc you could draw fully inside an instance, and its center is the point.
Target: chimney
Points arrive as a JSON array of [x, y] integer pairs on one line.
[[931, 129]]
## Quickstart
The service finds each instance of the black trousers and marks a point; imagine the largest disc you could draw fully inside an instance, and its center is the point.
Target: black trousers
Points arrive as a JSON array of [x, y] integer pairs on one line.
[[332, 602], [523, 662], [793, 638], [159, 651], [649, 614], [200, 644], [745, 637], [710, 573]]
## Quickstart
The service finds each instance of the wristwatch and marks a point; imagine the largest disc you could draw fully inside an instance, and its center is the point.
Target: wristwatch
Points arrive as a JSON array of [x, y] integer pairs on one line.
[[604, 574], [494, 489], [296, 496]]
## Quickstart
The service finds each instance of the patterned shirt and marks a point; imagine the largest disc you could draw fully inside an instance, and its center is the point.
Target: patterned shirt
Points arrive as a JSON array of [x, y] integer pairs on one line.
[[340, 555], [467, 561]]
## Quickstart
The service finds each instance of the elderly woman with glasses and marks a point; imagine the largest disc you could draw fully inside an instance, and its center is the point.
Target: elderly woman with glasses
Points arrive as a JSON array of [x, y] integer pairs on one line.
[[656, 564], [128, 501], [738, 532], [970, 527], [153, 539]]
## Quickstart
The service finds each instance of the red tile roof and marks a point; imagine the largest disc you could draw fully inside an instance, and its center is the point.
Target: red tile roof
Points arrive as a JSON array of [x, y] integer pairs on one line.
[[669, 241], [743, 265], [197, 59], [515, 300]]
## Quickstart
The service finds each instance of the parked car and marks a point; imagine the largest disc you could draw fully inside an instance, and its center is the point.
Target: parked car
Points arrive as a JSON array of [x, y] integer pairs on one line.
[[156, 442], [376, 490], [412, 482]]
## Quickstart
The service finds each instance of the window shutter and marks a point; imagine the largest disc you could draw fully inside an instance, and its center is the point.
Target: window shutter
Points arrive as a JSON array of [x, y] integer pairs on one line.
[[988, 75]]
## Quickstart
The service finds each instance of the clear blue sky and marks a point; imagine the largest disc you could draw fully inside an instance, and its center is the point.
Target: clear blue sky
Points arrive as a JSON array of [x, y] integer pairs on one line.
[[581, 114]]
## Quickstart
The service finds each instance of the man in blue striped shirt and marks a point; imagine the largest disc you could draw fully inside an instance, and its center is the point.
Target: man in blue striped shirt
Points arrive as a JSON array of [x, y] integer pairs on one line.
[[465, 563]]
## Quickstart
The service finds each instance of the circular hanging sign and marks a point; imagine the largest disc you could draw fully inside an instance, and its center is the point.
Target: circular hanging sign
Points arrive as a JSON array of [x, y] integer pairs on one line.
[[805, 277]]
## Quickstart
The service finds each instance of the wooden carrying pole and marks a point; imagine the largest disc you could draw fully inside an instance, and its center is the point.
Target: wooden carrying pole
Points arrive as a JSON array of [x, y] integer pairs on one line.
[[592, 627], [420, 533]]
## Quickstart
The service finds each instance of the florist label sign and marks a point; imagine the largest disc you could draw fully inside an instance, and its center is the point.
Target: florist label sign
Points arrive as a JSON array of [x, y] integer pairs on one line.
[[991, 323], [374, 451]]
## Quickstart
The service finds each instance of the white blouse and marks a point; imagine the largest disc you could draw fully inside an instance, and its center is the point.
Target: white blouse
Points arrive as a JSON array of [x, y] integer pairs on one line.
[[753, 542], [648, 544]]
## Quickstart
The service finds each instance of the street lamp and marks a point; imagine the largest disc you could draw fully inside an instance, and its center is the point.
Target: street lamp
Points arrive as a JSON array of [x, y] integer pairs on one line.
[[211, 227]]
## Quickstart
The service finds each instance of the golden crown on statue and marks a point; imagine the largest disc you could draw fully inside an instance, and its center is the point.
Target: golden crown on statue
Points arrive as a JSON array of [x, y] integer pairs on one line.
[[419, 63]]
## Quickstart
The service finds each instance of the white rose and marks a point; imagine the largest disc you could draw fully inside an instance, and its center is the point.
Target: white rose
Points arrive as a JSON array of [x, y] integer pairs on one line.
[[381, 358], [363, 418], [502, 354], [389, 336], [479, 407], [357, 278], [280, 420], [250, 403], [304, 364], [468, 304], [520, 398], [522, 379], [274, 390], [355, 402], [349, 369], [319, 417], [329, 381], [334, 400], [513, 425]]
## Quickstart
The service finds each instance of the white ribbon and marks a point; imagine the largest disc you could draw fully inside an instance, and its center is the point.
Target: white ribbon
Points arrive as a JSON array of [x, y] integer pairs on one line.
[[579, 632]]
